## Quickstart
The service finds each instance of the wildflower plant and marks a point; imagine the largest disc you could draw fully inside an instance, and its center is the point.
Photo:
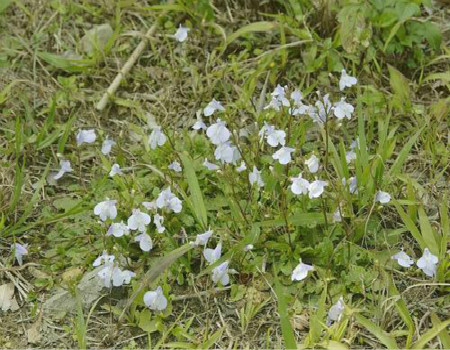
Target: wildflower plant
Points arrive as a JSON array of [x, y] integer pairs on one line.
[[291, 189], [284, 160]]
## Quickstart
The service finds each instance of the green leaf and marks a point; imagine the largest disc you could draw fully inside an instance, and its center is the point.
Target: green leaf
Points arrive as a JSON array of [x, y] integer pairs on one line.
[[316, 323], [263, 26], [353, 29], [428, 336], [381, 335], [439, 76], [146, 323], [402, 156], [286, 327], [427, 232], [433, 34], [410, 226], [65, 63], [211, 341], [194, 188], [402, 309], [444, 336], [399, 84]]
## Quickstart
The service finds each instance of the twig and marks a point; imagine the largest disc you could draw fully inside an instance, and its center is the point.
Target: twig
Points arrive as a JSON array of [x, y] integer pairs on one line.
[[17, 268], [129, 64]]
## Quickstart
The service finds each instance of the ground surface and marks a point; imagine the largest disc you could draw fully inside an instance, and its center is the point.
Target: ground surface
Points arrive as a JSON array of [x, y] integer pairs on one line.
[[399, 52]]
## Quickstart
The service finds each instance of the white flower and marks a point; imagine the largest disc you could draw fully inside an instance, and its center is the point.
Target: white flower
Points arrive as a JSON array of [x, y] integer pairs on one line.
[[210, 166], [175, 166], [106, 209], [115, 170], [107, 145], [138, 220], [336, 311], [346, 80], [283, 155], [167, 199], [382, 197], [65, 168], [276, 137], [118, 229], [212, 107], [113, 275], [337, 215], [220, 274], [274, 103], [158, 220], [86, 136], [248, 247], [255, 177], [350, 155], [299, 185], [121, 277], [218, 132], [297, 97], [145, 242], [302, 109], [227, 153], [278, 98], [428, 263], [181, 34], [343, 109], [241, 167], [19, 251], [312, 163], [199, 124], [403, 259], [104, 258], [279, 91], [156, 138], [202, 239], [155, 300], [212, 255], [301, 271], [316, 188]]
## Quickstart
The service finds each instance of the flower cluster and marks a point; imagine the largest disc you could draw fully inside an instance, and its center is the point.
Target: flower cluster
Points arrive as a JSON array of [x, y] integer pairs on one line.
[[427, 263], [110, 273]]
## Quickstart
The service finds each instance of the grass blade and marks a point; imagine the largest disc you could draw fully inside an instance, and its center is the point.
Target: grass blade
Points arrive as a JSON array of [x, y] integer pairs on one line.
[[444, 336], [262, 26], [156, 270], [286, 327], [428, 336], [402, 310], [427, 232], [401, 157], [196, 194], [381, 335], [410, 226]]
